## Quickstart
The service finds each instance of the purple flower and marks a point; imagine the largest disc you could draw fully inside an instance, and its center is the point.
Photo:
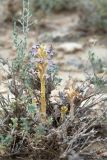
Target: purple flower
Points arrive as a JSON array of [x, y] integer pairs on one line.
[[35, 48], [33, 51], [50, 63], [50, 51], [47, 54]]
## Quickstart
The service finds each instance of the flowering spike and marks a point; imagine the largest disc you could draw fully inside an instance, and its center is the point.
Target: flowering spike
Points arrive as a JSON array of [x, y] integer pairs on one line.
[[43, 55]]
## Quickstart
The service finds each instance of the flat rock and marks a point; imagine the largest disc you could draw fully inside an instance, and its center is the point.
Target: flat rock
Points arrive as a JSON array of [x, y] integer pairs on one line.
[[58, 28], [70, 47], [4, 72], [3, 88], [68, 68], [104, 154]]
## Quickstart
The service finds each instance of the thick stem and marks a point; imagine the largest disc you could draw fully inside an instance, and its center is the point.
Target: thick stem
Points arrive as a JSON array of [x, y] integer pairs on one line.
[[43, 98]]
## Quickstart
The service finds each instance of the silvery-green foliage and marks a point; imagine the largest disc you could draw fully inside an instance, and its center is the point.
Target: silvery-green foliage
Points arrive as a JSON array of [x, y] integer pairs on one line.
[[14, 123], [96, 63], [41, 130], [5, 140], [24, 124], [97, 67], [20, 38], [14, 120]]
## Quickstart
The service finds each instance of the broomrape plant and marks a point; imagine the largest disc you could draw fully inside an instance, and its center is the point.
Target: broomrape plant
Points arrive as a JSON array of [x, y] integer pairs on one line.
[[43, 60]]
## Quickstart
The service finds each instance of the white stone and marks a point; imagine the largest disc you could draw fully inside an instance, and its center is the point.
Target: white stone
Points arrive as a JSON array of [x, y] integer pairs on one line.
[[70, 47]]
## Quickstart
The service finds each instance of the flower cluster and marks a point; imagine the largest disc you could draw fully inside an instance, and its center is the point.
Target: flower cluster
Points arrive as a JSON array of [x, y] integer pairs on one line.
[[43, 54]]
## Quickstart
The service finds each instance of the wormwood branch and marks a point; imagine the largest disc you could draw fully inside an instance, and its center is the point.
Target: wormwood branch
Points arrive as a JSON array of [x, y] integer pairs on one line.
[[20, 42]]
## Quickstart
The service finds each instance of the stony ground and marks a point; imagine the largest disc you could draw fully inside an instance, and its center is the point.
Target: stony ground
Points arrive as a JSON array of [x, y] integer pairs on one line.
[[71, 46]]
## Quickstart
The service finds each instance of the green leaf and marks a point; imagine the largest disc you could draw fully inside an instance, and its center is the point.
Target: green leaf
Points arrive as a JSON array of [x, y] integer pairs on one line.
[[8, 140], [40, 130], [25, 124], [14, 122], [31, 108]]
